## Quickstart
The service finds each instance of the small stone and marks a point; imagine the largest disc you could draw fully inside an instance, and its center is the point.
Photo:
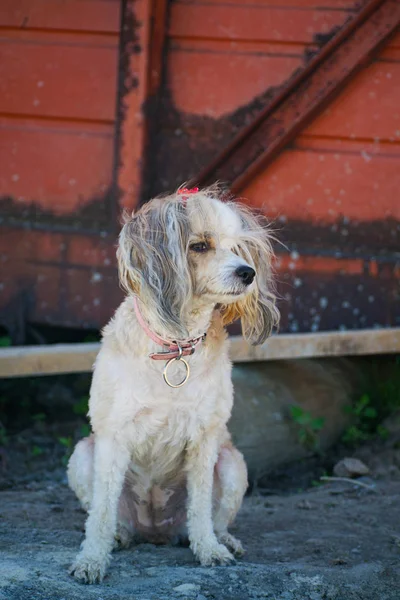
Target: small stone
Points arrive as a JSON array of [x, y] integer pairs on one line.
[[350, 467], [187, 588], [305, 505], [395, 539]]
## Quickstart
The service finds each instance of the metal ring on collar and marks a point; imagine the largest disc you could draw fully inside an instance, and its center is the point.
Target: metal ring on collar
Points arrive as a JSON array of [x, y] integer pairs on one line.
[[165, 372]]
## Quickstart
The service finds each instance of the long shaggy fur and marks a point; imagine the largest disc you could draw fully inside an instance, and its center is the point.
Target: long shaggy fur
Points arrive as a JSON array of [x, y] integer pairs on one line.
[[257, 311], [152, 261], [160, 463]]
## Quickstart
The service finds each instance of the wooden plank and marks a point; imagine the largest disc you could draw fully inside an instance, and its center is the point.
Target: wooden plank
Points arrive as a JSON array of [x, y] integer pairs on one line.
[[58, 169], [320, 265], [304, 97], [58, 79], [257, 48], [92, 296], [46, 360], [66, 297], [341, 299], [369, 108], [34, 245], [206, 83], [348, 5], [389, 54], [75, 15], [313, 183], [356, 146], [313, 345], [251, 22], [93, 252], [79, 358], [395, 41]]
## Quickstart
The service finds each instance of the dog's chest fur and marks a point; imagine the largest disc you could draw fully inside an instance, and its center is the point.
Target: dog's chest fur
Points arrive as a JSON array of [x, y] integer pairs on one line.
[[167, 419], [130, 396]]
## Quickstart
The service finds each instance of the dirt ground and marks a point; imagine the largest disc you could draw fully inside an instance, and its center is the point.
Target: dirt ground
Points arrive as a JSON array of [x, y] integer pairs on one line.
[[334, 541]]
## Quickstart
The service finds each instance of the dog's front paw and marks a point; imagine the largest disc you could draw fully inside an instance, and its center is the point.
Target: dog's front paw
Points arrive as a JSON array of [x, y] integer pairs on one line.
[[231, 543], [88, 570], [212, 554]]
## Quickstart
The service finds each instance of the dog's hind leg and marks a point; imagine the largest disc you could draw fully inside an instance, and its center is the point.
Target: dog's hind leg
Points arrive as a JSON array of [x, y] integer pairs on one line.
[[230, 484], [127, 512], [80, 471]]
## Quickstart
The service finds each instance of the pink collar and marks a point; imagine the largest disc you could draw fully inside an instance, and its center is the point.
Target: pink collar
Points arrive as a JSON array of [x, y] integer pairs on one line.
[[175, 349]]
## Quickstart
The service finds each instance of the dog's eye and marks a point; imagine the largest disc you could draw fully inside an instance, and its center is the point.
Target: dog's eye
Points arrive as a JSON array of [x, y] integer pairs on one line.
[[199, 247]]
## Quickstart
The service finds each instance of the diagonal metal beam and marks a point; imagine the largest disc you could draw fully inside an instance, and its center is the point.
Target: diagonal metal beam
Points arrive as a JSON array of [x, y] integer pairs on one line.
[[306, 94]]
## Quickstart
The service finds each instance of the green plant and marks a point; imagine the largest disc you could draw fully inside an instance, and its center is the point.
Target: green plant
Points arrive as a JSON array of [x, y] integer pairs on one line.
[[308, 427], [318, 482], [37, 451], [81, 407], [91, 337], [85, 430], [39, 417], [67, 443], [366, 421], [378, 400], [363, 417], [386, 390], [5, 341]]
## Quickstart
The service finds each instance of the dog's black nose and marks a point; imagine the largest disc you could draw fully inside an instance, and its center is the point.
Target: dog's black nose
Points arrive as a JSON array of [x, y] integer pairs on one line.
[[246, 274]]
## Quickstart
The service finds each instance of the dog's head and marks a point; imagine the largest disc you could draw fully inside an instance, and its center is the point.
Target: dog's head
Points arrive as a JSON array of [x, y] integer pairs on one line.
[[179, 250]]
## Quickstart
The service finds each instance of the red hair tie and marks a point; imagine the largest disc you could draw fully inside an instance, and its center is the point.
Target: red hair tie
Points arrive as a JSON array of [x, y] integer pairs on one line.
[[183, 191]]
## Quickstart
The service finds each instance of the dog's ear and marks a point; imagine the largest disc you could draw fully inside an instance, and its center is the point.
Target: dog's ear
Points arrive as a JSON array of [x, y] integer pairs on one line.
[[152, 262], [257, 310]]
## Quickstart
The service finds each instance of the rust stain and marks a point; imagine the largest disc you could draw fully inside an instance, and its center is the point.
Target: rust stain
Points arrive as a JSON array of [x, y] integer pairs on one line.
[[93, 216], [342, 238], [318, 301], [182, 144], [133, 85]]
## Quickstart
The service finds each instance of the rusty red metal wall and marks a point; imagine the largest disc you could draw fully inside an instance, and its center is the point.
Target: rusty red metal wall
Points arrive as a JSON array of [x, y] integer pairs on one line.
[[71, 146], [107, 103]]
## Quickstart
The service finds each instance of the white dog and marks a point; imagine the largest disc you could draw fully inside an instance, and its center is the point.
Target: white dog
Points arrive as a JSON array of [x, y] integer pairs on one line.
[[160, 461]]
